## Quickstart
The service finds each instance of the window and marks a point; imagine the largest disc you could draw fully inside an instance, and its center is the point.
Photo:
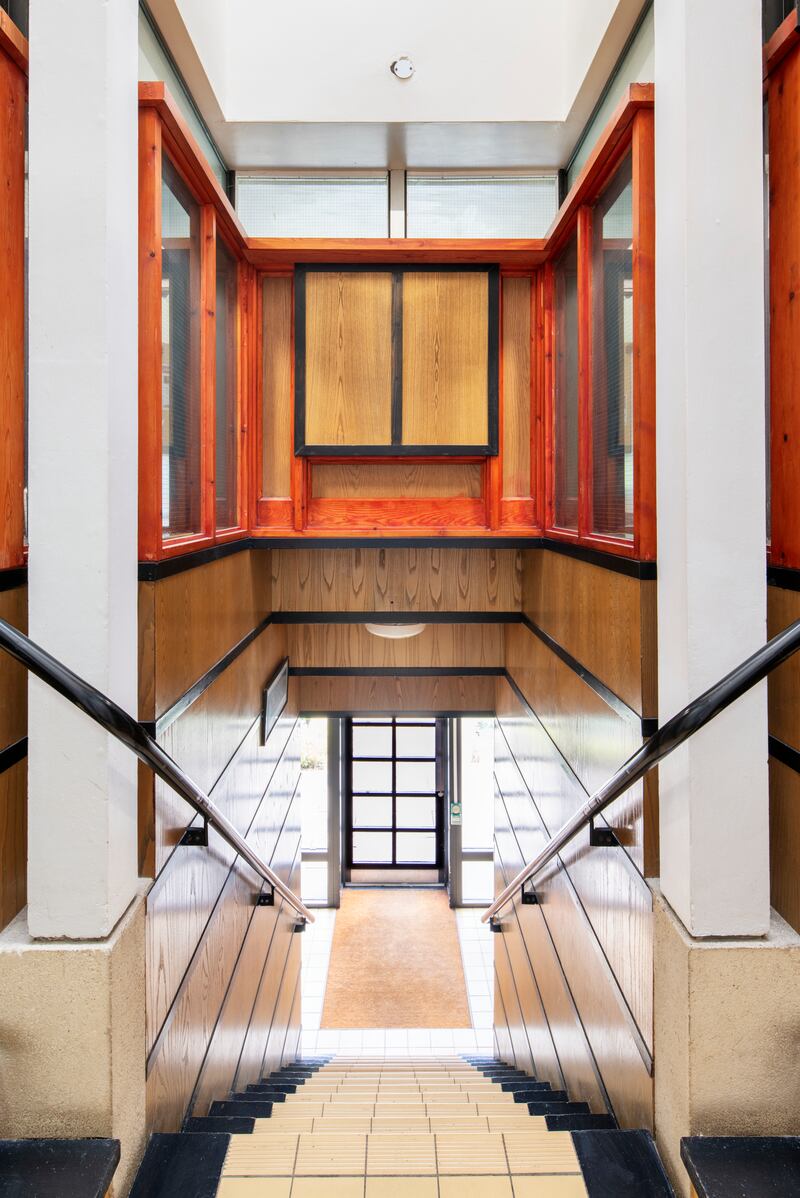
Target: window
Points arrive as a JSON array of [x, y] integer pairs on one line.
[[311, 205], [227, 405], [476, 773], [480, 205], [565, 416], [612, 385], [180, 357]]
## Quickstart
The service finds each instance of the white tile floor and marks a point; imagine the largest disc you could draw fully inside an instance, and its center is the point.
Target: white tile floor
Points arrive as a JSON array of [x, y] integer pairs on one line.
[[477, 953]]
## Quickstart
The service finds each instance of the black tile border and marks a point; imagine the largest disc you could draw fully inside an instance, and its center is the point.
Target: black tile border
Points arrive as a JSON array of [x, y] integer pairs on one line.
[[784, 753], [13, 754], [631, 567], [396, 617], [784, 577], [11, 579]]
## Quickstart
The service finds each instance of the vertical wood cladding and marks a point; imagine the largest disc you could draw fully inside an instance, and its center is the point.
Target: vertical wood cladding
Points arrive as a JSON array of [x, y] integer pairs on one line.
[[13, 781], [783, 607], [211, 954], [578, 968]]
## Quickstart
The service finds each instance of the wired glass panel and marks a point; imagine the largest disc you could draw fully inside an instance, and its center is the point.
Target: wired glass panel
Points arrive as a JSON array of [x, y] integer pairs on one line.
[[565, 418], [313, 206], [180, 357], [612, 391], [227, 407], [480, 205]]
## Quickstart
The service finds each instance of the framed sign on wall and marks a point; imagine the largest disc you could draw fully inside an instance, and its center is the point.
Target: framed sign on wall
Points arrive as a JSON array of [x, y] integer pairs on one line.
[[276, 694]]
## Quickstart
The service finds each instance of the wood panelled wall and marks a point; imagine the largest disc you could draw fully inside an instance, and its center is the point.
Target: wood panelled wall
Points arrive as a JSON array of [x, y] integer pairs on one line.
[[221, 972], [783, 607], [14, 778], [574, 974]]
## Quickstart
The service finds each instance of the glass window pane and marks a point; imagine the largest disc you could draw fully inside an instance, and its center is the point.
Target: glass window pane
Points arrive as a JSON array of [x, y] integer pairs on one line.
[[565, 422], [313, 205], [372, 741], [314, 881], [372, 777], [612, 392], [416, 776], [416, 848], [477, 783], [480, 205], [372, 812], [416, 812], [227, 426], [180, 357], [416, 742], [369, 847], [477, 881]]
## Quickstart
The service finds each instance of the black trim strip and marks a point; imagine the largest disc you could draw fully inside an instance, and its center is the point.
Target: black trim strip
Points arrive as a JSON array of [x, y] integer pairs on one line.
[[13, 754], [396, 617], [397, 451], [13, 578], [600, 689], [397, 671], [632, 567], [205, 680], [784, 753], [783, 576]]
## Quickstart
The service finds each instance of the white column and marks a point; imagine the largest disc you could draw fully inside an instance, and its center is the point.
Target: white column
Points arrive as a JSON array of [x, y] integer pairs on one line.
[[397, 203], [710, 455], [82, 857]]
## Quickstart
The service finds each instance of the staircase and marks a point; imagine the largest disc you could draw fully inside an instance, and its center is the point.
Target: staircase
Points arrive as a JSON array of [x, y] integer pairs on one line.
[[425, 1127]]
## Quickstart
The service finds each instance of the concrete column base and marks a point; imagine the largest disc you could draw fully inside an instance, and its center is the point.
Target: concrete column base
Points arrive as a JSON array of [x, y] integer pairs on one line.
[[72, 1037], [726, 1035]]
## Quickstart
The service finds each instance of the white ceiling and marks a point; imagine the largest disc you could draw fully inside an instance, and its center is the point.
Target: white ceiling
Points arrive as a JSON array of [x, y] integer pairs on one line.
[[309, 85]]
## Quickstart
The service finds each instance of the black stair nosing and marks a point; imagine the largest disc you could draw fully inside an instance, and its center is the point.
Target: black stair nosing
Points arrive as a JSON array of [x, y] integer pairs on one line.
[[269, 1087], [257, 1110], [751, 1166], [621, 1164], [235, 1125], [541, 1096], [181, 1166], [558, 1108], [519, 1083], [581, 1122], [53, 1168], [264, 1095]]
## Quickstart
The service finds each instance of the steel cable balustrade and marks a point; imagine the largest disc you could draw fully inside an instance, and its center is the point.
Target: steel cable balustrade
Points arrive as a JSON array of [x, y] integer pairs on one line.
[[670, 736], [125, 728]]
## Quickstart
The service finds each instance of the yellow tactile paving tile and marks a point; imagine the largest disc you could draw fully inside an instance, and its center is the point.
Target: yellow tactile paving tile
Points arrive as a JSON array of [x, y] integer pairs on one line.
[[282, 1127], [460, 1123], [330, 1155], [402, 1187], [549, 1187], [475, 1187], [255, 1187], [328, 1187], [396, 1155], [295, 1110], [468, 1154], [260, 1156], [540, 1152]]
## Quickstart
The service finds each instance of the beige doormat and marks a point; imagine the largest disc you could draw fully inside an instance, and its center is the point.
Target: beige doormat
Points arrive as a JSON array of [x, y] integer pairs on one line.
[[395, 962]]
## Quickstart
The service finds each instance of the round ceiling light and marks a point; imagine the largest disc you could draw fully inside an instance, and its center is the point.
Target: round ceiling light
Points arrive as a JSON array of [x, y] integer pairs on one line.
[[395, 632], [402, 67]]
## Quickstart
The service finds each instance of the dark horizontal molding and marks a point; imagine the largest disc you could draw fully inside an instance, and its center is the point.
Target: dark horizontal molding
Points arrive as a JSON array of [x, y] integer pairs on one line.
[[784, 753], [784, 577], [397, 671], [385, 268], [396, 617], [17, 576], [486, 450], [647, 726], [13, 754], [631, 567], [205, 680]]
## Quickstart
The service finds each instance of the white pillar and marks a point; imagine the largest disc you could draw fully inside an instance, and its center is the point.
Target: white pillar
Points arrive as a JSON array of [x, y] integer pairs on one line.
[[710, 447], [82, 857]]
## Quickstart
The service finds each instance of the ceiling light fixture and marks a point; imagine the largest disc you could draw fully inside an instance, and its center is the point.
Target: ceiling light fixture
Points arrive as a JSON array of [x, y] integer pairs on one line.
[[395, 632], [402, 67]]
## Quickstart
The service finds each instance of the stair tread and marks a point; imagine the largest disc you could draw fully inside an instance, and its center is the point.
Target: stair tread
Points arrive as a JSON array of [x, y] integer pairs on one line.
[[750, 1166], [621, 1164], [234, 1124], [39, 1168], [181, 1166]]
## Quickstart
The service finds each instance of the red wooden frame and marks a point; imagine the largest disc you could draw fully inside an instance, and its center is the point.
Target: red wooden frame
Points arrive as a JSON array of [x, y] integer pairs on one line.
[[13, 98], [630, 130]]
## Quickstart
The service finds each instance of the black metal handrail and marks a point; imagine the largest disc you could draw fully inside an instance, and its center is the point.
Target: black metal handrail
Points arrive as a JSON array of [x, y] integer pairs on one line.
[[670, 736], [125, 728]]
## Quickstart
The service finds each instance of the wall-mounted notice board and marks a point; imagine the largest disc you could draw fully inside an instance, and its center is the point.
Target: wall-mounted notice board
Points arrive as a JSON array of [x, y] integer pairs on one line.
[[396, 361]]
